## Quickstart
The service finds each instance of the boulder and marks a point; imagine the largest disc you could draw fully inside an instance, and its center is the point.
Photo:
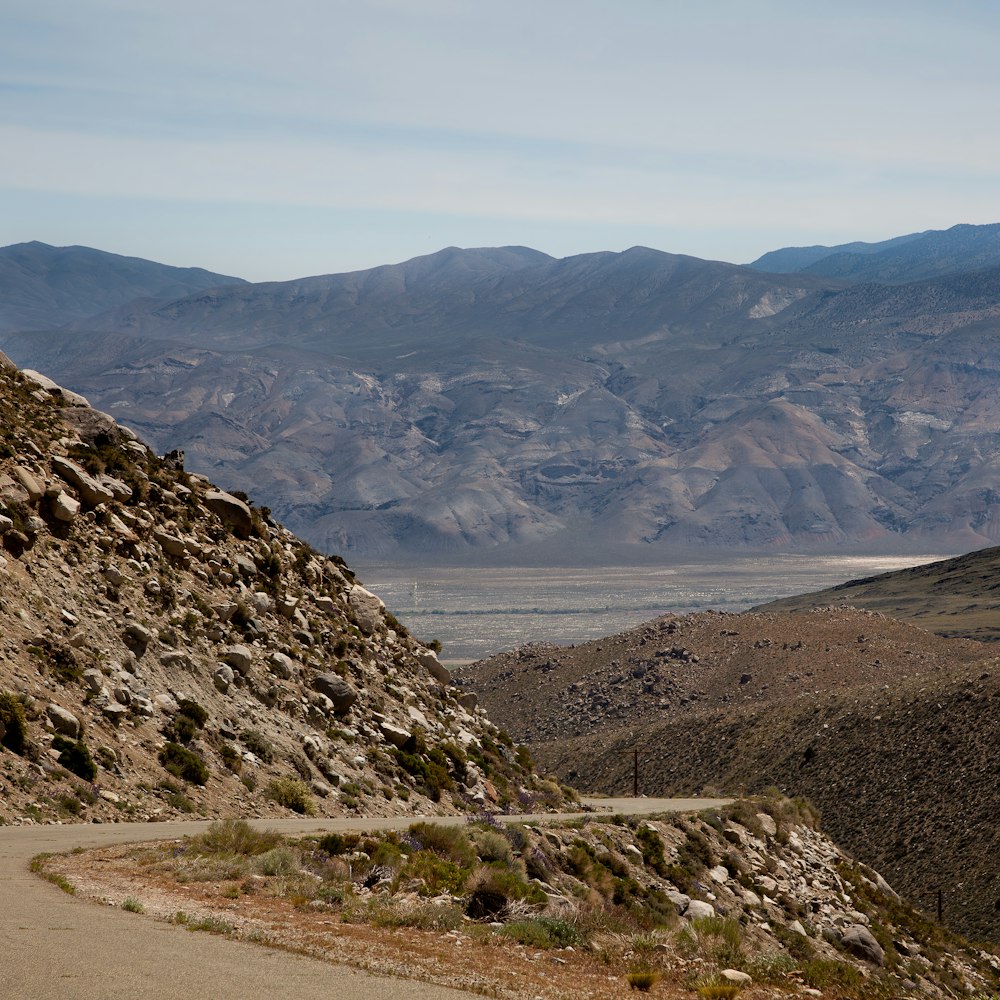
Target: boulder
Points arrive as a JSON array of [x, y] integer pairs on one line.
[[281, 665], [246, 565], [860, 941], [469, 701], [394, 735], [260, 601], [340, 693], [53, 388], [62, 721], [114, 712], [697, 909], [137, 637], [736, 977], [171, 544], [122, 492], [15, 542], [223, 678], [719, 874], [230, 510], [30, 483], [767, 824], [94, 680], [429, 661], [368, 609], [91, 492], [679, 899], [177, 660], [239, 658], [65, 508]]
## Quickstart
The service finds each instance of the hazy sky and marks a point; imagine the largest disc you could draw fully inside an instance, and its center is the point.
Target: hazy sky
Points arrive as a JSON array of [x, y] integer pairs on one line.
[[277, 140]]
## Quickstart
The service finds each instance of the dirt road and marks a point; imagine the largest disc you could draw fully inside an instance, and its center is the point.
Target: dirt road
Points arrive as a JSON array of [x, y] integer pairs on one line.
[[53, 947]]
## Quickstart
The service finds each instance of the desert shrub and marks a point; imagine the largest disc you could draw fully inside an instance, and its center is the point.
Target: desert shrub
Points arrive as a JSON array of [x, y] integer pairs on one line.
[[132, 905], [70, 803], [773, 967], [823, 973], [492, 846], [744, 813], [301, 765], [795, 944], [278, 861], [642, 980], [292, 794], [13, 725], [75, 757], [428, 769], [193, 711], [449, 842], [543, 932], [387, 854], [437, 874], [652, 849], [492, 888], [258, 744], [231, 757], [338, 843], [183, 763], [182, 729], [715, 989], [234, 837], [426, 917]]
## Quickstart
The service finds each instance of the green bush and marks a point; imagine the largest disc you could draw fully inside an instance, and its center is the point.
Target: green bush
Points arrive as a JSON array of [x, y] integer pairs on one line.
[[231, 757], [75, 757], [234, 837], [292, 794], [258, 744], [183, 763], [449, 842], [193, 711], [492, 845], [652, 849], [13, 725], [491, 888], [338, 843], [278, 861], [437, 874], [544, 932]]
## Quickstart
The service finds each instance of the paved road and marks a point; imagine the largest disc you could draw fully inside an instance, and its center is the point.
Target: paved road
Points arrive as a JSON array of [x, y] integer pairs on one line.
[[53, 947]]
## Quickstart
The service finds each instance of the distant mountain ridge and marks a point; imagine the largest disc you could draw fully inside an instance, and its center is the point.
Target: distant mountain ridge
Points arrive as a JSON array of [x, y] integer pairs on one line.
[[502, 399], [914, 257], [42, 286]]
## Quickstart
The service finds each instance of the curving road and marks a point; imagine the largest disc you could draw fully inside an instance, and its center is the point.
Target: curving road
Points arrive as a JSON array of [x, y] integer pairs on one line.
[[53, 947]]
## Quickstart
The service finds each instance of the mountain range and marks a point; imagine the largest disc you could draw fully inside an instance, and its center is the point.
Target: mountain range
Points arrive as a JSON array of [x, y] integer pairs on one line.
[[502, 403]]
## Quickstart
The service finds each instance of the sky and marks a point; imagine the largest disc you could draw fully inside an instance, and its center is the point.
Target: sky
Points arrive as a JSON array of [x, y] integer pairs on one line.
[[274, 141]]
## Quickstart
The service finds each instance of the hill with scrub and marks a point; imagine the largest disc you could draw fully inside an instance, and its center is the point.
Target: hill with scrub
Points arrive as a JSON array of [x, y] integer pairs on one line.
[[169, 649], [888, 729]]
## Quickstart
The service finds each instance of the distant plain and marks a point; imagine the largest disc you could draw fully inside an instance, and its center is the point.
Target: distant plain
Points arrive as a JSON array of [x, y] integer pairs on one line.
[[477, 611]]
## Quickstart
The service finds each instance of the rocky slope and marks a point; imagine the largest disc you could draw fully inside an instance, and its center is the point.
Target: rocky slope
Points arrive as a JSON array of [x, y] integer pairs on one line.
[[499, 399], [755, 899], [166, 648], [891, 731]]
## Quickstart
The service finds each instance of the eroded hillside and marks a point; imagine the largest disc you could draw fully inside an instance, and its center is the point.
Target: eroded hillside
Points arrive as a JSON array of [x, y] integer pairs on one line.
[[167, 648]]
